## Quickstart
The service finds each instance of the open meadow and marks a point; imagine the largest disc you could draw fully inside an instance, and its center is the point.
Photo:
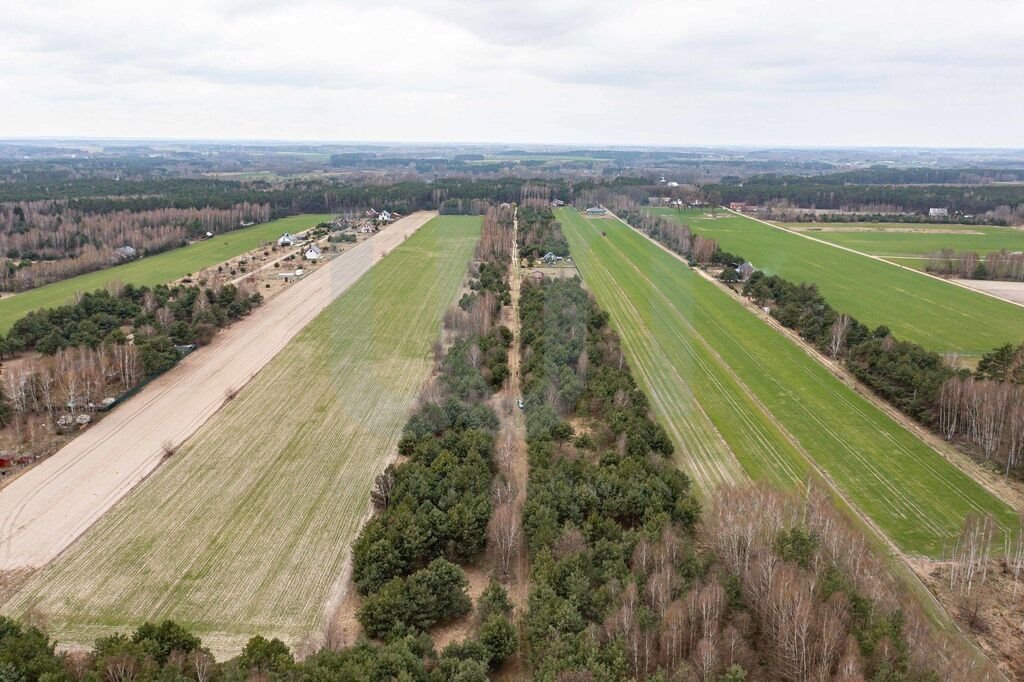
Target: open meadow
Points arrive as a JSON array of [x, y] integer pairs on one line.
[[246, 529], [940, 316], [910, 244], [153, 270], [710, 365]]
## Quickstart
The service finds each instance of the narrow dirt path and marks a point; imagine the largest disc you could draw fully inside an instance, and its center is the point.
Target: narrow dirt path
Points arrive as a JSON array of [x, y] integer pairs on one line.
[[515, 466]]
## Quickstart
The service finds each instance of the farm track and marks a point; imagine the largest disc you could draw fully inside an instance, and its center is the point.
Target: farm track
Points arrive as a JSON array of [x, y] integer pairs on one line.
[[918, 307], [247, 529], [910, 491]]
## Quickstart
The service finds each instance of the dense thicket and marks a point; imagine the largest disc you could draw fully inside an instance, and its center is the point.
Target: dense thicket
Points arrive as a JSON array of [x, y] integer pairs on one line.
[[539, 232], [593, 497], [435, 506]]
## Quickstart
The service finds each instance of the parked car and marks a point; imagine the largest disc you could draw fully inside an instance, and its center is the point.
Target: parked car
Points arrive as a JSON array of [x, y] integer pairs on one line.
[[520, 404]]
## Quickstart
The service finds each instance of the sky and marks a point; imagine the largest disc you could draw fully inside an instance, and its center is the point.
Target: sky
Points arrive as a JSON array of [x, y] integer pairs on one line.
[[706, 72]]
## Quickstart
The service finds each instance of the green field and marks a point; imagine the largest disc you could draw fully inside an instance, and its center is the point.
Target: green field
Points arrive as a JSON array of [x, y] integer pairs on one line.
[[782, 414], [245, 530], [892, 240], [158, 269], [940, 316]]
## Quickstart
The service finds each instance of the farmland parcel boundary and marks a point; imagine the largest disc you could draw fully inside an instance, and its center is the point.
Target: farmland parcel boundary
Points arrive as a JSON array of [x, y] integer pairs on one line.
[[877, 292], [50, 505], [247, 529], [916, 496], [161, 268]]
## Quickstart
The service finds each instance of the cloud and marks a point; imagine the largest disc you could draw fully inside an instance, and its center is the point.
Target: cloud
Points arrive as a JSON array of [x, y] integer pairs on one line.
[[684, 72]]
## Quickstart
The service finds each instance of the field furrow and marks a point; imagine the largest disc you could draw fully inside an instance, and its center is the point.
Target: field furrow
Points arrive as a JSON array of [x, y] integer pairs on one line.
[[788, 406]]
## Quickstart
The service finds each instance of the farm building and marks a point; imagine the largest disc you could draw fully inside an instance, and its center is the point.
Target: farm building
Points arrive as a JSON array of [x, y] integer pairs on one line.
[[938, 212], [312, 253], [737, 206], [746, 270], [285, 240], [595, 210], [290, 274], [550, 258]]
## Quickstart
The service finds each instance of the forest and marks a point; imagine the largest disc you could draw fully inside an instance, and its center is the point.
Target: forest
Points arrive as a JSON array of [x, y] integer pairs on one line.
[[106, 345], [47, 241]]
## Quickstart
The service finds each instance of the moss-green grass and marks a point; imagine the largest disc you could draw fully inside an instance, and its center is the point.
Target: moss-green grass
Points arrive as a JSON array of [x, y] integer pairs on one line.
[[940, 316], [782, 412], [247, 527], [894, 239], [158, 269]]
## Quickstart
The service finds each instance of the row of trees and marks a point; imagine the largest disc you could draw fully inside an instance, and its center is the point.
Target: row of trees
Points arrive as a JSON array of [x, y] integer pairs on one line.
[[47, 241], [168, 652], [678, 238], [904, 373], [998, 265]]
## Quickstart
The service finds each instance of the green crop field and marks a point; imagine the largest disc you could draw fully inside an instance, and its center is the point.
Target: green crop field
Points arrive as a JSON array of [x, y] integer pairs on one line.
[[726, 375], [158, 269], [907, 241], [941, 316], [246, 529]]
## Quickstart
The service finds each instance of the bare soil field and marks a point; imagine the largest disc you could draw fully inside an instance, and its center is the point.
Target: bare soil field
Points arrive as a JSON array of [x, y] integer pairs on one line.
[[1010, 291], [46, 508]]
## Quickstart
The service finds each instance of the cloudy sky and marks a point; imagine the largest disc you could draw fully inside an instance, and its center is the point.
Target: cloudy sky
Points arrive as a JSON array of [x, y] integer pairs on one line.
[[782, 72]]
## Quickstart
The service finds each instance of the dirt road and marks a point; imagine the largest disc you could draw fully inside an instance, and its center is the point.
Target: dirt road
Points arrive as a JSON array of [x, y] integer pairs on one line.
[[48, 507]]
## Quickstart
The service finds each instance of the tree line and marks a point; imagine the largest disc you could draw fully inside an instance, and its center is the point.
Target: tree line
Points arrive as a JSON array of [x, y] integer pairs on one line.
[[1005, 203], [47, 241], [697, 249], [981, 408], [998, 265]]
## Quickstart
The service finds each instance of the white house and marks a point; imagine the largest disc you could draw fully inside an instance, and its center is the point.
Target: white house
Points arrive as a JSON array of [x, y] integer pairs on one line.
[[366, 229], [384, 217], [285, 240], [938, 212], [312, 253]]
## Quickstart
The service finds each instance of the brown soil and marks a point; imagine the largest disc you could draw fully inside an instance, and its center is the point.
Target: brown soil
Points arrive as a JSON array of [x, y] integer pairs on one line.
[[998, 630]]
